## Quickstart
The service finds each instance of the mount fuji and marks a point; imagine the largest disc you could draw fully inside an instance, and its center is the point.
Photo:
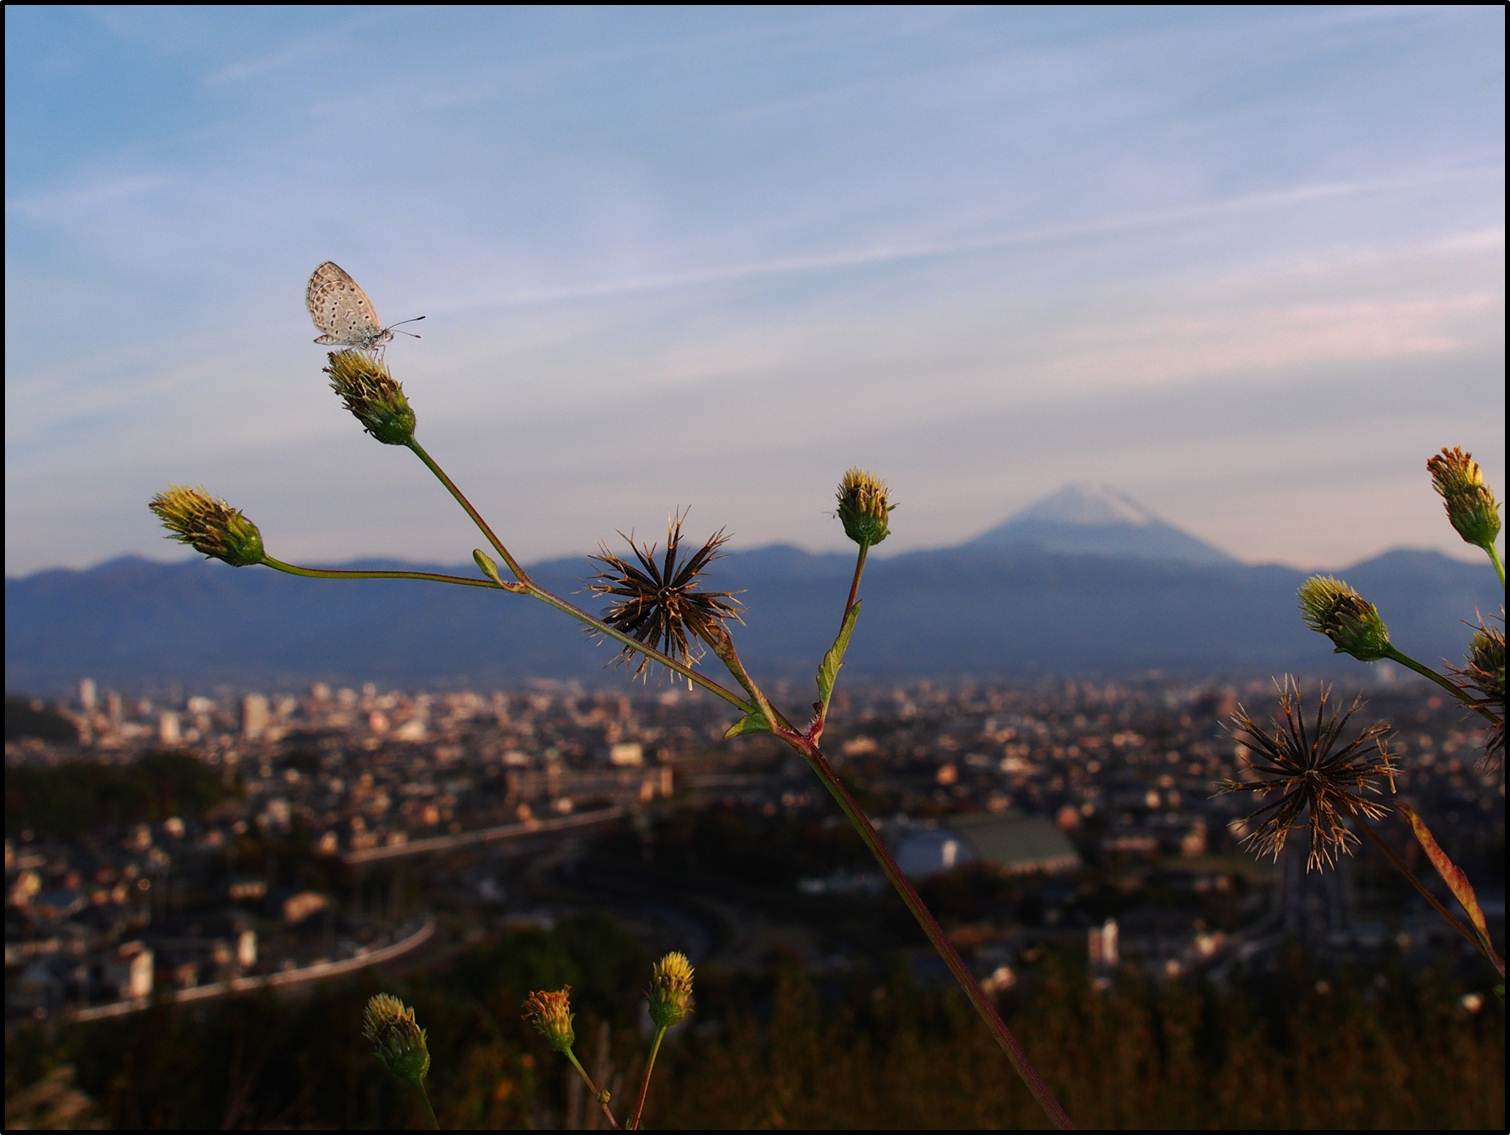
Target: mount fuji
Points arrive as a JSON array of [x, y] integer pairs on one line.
[[1084, 519], [1084, 582]]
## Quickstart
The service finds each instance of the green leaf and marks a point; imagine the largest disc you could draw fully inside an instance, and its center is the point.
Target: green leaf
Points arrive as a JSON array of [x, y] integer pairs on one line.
[[753, 722], [486, 566], [828, 669]]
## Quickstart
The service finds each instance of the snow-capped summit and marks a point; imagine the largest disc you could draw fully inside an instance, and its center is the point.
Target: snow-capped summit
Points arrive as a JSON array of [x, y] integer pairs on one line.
[[1084, 503], [1084, 519]]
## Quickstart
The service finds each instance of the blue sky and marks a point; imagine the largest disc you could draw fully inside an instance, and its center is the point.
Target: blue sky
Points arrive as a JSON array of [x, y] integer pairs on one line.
[[1246, 264]]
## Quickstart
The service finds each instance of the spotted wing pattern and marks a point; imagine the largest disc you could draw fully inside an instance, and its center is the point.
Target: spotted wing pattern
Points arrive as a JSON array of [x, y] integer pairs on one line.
[[341, 310]]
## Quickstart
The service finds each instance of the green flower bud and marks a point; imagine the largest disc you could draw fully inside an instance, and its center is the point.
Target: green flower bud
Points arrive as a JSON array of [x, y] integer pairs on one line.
[[213, 527], [397, 1040], [670, 992], [863, 508], [1470, 505], [549, 1013], [1330, 607], [372, 395]]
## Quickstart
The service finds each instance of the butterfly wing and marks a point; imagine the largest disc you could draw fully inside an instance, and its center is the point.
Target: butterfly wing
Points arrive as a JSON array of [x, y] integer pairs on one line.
[[340, 308]]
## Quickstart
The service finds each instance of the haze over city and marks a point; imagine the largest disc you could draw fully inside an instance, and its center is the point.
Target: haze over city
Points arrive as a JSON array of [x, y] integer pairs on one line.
[[1245, 265]]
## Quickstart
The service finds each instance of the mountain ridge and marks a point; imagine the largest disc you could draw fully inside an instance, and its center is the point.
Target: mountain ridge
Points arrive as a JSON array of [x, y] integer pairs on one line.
[[139, 624]]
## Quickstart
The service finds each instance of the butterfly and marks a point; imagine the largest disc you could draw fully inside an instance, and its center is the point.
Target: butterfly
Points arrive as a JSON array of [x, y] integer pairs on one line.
[[343, 313]]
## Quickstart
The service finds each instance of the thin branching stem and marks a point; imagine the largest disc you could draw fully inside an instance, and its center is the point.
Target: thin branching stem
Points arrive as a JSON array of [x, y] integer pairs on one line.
[[424, 1094], [717, 636], [461, 498], [639, 1106], [854, 584], [815, 731], [935, 933], [530, 587], [332, 573], [1499, 567], [1451, 687], [810, 751], [600, 1097]]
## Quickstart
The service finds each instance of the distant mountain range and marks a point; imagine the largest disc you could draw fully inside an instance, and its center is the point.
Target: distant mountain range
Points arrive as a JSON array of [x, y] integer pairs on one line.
[[1085, 582]]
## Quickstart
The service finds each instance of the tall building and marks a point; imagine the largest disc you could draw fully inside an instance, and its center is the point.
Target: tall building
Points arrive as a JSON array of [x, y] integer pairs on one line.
[[1102, 942], [87, 694], [254, 716]]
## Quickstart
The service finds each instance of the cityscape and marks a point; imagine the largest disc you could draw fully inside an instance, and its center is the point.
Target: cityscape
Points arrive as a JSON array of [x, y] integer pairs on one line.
[[341, 828]]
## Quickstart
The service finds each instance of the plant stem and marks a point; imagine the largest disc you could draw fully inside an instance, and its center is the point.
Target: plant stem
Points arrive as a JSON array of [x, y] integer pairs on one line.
[[1494, 558], [534, 589], [935, 933], [330, 573], [601, 1097], [424, 1094], [639, 1107], [1453, 689], [854, 584], [717, 636], [1398, 863], [820, 717], [482, 525], [723, 645]]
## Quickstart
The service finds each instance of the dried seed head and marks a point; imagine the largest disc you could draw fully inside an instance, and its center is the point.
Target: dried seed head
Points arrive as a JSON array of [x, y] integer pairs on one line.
[[1483, 679], [549, 1013], [1486, 661], [863, 508], [660, 603], [371, 394], [1317, 779], [1331, 607], [670, 992], [211, 526], [397, 1040], [1471, 506]]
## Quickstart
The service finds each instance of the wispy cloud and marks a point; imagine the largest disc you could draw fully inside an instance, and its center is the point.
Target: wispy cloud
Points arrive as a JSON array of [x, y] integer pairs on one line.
[[928, 250], [327, 43], [93, 195]]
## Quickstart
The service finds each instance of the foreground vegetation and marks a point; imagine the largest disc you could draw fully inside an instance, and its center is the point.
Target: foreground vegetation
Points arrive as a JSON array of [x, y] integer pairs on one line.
[[787, 1050]]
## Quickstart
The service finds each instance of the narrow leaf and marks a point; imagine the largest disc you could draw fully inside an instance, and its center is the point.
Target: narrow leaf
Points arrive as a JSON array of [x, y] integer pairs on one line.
[[486, 566], [750, 723], [828, 669], [1451, 873]]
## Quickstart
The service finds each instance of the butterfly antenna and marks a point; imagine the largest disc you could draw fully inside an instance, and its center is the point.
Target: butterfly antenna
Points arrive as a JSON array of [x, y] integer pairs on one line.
[[411, 334]]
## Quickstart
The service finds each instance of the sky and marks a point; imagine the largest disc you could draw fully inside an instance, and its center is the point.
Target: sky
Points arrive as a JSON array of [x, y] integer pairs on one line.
[[1246, 265]]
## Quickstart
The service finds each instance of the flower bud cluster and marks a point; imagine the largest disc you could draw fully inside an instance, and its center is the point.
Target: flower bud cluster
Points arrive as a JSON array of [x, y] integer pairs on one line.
[[211, 526], [1471, 506], [1333, 608], [372, 395], [863, 507], [397, 1040]]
